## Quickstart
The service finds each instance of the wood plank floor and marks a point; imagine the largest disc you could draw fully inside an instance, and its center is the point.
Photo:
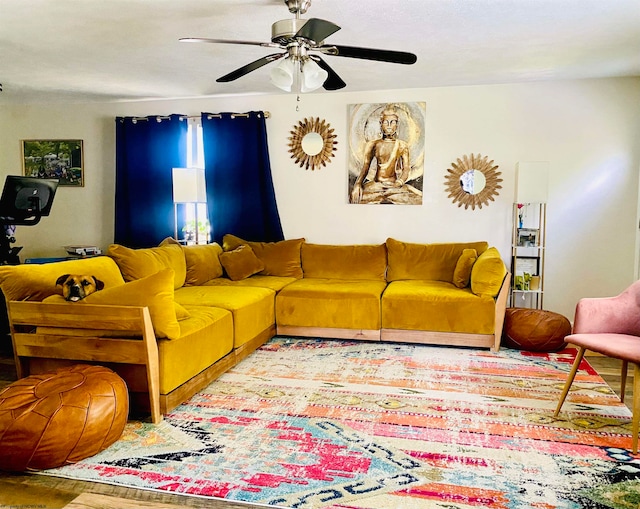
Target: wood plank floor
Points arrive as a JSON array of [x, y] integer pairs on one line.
[[45, 492]]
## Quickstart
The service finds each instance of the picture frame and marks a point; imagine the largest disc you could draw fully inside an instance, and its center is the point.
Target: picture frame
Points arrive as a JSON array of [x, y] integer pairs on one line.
[[386, 177], [528, 237], [61, 159], [526, 264]]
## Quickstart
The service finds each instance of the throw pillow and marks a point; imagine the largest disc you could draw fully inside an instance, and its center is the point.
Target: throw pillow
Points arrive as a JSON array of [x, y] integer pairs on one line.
[[241, 263], [488, 273], [154, 292], [203, 262], [280, 258], [462, 272], [138, 263]]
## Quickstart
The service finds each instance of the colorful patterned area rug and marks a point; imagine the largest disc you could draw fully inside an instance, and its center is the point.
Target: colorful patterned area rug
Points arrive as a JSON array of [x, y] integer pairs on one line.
[[356, 425]]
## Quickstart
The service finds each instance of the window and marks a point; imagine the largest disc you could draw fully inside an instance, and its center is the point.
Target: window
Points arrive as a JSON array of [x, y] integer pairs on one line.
[[192, 225]]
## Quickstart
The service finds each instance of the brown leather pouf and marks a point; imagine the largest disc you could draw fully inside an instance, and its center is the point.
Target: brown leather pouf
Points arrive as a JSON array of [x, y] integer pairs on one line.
[[535, 330], [53, 419]]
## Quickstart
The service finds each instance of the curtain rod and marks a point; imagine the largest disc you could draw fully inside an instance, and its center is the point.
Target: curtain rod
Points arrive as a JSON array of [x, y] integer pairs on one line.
[[160, 118]]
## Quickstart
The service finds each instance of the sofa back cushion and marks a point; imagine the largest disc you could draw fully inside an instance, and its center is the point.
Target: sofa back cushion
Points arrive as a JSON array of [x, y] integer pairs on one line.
[[138, 263], [38, 281], [433, 262], [202, 261], [488, 273], [279, 258], [344, 262]]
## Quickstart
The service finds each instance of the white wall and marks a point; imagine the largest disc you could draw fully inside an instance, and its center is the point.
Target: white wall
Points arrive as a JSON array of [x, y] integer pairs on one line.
[[588, 130]]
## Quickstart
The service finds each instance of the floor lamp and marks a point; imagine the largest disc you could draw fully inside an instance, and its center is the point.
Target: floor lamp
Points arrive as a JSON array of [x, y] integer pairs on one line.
[[188, 189]]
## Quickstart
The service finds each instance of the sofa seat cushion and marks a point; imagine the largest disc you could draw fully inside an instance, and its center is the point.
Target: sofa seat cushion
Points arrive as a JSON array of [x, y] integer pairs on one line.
[[205, 337], [275, 283], [436, 306], [364, 262], [252, 308], [37, 282], [435, 262], [333, 303]]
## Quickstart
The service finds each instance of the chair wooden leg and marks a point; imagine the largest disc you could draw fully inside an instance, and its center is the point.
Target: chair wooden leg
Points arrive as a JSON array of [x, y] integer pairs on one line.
[[636, 407], [572, 375], [623, 379]]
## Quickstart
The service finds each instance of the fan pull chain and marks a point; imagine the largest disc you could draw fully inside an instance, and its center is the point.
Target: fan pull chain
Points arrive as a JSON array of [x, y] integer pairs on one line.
[[298, 103]]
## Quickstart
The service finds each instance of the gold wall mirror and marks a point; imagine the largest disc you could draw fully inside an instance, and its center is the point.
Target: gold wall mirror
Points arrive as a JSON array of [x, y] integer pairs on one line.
[[472, 181], [312, 143]]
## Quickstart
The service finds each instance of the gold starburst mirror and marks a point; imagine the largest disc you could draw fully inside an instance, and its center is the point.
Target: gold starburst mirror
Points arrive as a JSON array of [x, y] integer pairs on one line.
[[312, 143], [472, 181]]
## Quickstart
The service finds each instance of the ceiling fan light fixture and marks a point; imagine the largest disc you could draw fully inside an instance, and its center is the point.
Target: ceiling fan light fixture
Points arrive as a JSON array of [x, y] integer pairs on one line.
[[313, 76], [282, 75]]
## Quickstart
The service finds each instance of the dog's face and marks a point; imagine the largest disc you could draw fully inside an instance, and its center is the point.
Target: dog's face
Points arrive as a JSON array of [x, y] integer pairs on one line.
[[77, 287]]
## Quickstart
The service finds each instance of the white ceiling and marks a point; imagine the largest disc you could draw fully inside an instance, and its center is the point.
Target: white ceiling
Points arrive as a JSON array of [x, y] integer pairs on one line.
[[129, 49]]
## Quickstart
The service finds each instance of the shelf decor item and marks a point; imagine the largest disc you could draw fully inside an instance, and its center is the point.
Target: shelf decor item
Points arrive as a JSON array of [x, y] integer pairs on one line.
[[520, 215]]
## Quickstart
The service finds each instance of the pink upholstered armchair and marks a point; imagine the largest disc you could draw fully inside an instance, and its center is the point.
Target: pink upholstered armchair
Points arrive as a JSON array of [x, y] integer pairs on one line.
[[611, 327]]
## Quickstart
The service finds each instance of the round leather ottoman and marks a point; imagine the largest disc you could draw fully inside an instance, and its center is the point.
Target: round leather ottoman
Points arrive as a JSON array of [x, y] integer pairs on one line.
[[535, 330], [53, 419]]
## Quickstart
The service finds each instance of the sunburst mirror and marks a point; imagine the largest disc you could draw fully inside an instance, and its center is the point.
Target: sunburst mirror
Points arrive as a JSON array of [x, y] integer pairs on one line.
[[312, 143], [472, 181]]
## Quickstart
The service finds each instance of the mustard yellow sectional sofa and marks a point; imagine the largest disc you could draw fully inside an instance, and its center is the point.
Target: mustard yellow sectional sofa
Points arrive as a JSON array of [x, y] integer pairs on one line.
[[213, 305]]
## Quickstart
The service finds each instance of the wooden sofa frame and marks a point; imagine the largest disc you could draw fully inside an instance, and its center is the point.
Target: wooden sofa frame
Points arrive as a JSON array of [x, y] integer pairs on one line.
[[130, 348]]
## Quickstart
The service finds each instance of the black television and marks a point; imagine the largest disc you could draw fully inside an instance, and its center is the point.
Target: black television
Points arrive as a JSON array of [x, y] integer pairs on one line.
[[25, 200]]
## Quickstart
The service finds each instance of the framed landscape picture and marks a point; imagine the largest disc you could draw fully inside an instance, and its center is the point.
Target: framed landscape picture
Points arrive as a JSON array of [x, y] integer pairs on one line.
[[54, 159]]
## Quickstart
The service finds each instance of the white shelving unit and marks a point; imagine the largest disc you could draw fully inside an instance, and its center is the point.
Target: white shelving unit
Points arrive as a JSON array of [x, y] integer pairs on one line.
[[528, 255]]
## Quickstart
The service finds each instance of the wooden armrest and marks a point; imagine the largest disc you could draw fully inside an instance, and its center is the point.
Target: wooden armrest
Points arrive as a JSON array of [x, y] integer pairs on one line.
[[86, 332]]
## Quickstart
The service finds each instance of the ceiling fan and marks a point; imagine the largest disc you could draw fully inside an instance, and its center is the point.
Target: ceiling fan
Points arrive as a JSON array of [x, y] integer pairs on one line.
[[301, 42]]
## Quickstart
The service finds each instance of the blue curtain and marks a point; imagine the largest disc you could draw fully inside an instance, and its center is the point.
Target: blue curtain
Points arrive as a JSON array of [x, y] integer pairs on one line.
[[146, 151], [240, 195]]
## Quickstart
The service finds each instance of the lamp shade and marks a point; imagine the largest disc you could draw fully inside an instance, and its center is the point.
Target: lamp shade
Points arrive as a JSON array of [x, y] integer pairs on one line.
[[313, 76], [189, 185], [282, 75], [532, 182]]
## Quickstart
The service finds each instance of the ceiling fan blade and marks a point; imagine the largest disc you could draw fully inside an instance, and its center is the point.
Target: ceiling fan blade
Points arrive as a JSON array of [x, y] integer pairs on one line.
[[333, 81], [317, 30], [246, 69], [381, 55], [228, 41]]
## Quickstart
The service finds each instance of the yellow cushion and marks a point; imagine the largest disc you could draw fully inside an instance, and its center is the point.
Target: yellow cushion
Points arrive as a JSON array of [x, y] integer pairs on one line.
[[241, 263], [336, 303], [38, 281], [436, 306], [344, 262], [138, 263], [488, 273], [205, 337], [462, 272], [203, 263], [154, 292], [252, 307], [432, 262], [280, 258]]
